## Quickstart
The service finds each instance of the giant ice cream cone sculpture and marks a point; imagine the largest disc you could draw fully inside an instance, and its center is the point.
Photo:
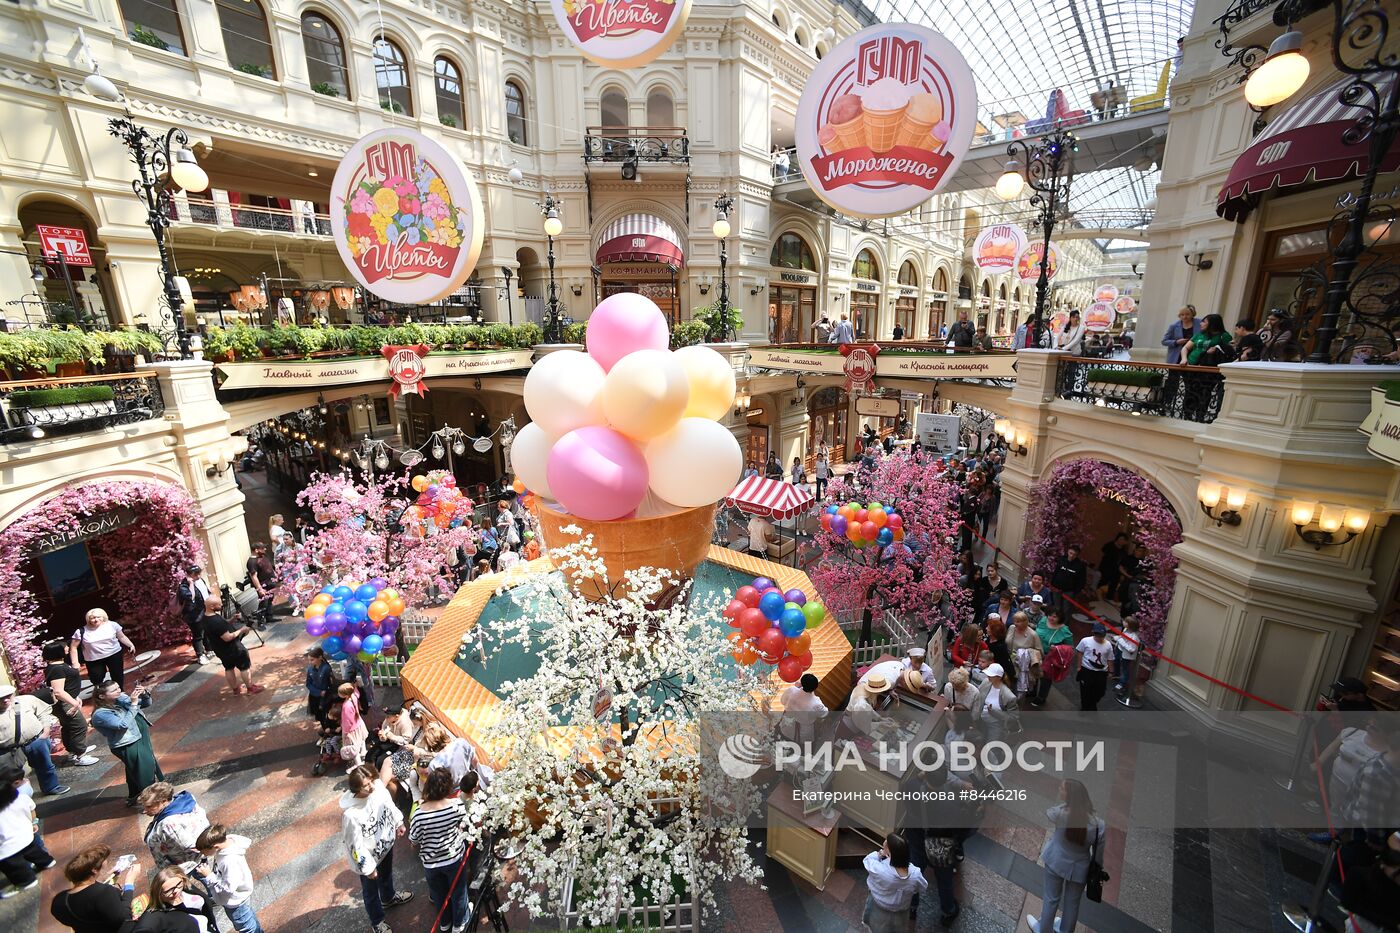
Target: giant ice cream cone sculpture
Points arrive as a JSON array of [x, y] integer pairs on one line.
[[625, 443]]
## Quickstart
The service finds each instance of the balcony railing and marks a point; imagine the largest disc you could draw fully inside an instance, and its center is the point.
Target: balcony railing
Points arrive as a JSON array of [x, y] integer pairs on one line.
[[32, 410], [1187, 393], [223, 216], [639, 143]]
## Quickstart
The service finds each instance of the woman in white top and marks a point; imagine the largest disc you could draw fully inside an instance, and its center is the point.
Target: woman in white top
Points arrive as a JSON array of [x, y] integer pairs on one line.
[[893, 882], [275, 531], [958, 692], [1071, 337], [1351, 749], [100, 642]]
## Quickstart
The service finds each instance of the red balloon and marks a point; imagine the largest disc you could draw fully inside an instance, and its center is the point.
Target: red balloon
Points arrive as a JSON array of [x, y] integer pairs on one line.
[[753, 623], [805, 659], [731, 612], [772, 643], [826, 520], [868, 531], [747, 595], [896, 521], [862, 516], [790, 669]]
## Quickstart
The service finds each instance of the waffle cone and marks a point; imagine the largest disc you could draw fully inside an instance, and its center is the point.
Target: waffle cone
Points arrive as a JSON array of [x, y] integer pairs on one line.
[[914, 133], [882, 127], [849, 135], [677, 542]]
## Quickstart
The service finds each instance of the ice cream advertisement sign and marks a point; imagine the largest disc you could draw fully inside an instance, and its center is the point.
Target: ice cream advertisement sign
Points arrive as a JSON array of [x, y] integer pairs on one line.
[[1028, 263], [1107, 293], [406, 217], [621, 33], [1098, 317], [885, 120], [997, 247]]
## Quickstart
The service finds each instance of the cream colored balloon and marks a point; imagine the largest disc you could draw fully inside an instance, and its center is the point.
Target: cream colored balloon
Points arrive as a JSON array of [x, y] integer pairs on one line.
[[695, 463], [645, 394], [711, 380], [529, 455], [564, 391]]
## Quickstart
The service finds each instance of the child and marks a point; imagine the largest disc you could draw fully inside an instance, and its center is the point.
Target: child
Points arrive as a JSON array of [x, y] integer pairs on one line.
[[1125, 649], [225, 871], [22, 851], [318, 686], [353, 731]]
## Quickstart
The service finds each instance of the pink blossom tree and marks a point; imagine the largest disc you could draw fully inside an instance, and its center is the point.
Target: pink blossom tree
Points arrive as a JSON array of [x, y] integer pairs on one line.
[[910, 577], [363, 532]]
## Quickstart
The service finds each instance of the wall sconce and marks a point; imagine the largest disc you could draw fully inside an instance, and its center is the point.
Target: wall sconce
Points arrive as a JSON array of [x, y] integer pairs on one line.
[[702, 283], [1197, 248], [1015, 440], [1020, 444], [742, 401], [321, 403], [577, 289], [1210, 493], [1330, 520], [223, 459], [758, 287]]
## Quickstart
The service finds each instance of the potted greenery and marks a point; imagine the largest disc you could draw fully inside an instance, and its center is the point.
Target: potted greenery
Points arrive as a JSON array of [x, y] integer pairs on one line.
[[689, 333], [260, 71], [21, 356], [70, 350], [57, 406], [143, 36], [721, 325], [325, 88], [447, 119]]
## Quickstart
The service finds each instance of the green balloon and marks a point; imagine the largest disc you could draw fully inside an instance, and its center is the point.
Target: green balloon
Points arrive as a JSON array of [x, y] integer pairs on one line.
[[873, 506], [815, 613], [791, 605], [364, 656]]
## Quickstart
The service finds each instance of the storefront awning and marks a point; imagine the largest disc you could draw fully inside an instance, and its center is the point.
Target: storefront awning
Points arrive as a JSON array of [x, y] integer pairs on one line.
[[771, 498], [1303, 146], [641, 238]]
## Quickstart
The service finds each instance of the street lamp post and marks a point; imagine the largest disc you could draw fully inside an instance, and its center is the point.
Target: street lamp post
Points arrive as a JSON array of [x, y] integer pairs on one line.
[[1045, 166], [553, 226], [156, 158], [510, 312], [723, 205]]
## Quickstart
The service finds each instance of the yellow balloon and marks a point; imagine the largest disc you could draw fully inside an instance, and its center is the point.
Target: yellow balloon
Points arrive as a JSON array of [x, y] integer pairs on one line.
[[645, 393], [420, 483], [711, 380]]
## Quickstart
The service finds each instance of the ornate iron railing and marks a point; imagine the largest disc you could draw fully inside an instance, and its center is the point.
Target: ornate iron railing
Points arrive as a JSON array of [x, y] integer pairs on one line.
[[134, 397], [1187, 393], [250, 217], [639, 143]]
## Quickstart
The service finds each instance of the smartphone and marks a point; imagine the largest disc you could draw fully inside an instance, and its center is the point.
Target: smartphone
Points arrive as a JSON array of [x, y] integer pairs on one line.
[[122, 863]]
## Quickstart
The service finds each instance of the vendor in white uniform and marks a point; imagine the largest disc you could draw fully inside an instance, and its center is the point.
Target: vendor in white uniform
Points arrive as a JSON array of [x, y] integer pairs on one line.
[[915, 662], [802, 709]]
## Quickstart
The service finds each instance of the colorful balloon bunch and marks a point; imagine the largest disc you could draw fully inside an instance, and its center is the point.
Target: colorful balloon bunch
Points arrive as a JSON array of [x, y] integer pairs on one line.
[[773, 627], [439, 503], [357, 619], [864, 524], [626, 417]]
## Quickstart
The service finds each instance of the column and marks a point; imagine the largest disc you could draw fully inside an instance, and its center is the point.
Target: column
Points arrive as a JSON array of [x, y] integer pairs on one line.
[[17, 276], [1027, 409]]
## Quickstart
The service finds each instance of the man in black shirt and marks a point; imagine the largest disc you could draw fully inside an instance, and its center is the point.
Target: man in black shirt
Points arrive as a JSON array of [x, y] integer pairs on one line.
[[1068, 578], [190, 595], [224, 638], [63, 682], [263, 576], [962, 333]]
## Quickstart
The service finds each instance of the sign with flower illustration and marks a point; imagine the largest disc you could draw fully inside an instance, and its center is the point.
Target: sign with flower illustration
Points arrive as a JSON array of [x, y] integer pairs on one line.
[[1028, 263], [621, 33], [885, 120], [406, 216]]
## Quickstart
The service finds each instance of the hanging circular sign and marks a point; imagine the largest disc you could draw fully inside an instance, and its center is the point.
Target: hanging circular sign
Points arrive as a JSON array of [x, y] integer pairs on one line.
[[1028, 263], [997, 247], [621, 33], [481, 445], [1125, 305], [1058, 320], [1099, 316], [885, 120], [1106, 293], [406, 216], [410, 458]]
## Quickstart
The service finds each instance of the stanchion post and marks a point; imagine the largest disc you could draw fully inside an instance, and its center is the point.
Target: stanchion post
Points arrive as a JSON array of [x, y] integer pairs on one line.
[[1307, 920], [1289, 782]]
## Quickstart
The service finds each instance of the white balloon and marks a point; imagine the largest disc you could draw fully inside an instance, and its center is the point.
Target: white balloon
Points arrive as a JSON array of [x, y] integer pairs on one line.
[[711, 379], [529, 455], [564, 391], [645, 394], [695, 463]]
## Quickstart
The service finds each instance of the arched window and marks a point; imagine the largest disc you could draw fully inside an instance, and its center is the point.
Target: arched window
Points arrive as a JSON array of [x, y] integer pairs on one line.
[[865, 266], [908, 275], [246, 41], [940, 282], [391, 74], [800, 37], [792, 252], [660, 109], [155, 23], [448, 81], [1001, 293], [325, 56], [516, 127], [964, 288], [613, 106]]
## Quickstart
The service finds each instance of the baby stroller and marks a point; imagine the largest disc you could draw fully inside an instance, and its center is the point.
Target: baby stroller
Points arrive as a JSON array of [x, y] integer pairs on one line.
[[328, 759]]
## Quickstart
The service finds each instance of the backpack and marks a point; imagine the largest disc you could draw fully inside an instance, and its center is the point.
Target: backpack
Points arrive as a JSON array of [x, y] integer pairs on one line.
[[1056, 663]]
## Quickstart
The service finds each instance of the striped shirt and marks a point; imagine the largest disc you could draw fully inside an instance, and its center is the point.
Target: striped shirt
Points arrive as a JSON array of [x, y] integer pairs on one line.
[[438, 834]]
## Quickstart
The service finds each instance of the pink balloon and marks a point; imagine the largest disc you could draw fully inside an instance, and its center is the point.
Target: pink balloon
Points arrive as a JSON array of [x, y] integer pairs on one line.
[[597, 473], [623, 323]]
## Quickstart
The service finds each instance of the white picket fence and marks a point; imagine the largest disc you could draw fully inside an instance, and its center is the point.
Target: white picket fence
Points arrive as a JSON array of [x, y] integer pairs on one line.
[[885, 622], [384, 672], [679, 915]]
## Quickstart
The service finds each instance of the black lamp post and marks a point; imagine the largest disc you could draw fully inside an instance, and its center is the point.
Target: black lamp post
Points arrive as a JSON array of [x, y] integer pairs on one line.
[[510, 312], [1043, 164], [553, 226], [723, 205], [155, 159]]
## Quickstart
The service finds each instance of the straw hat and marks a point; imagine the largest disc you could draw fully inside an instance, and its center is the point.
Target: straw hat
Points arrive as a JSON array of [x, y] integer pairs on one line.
[[877, 683], [913, 681]]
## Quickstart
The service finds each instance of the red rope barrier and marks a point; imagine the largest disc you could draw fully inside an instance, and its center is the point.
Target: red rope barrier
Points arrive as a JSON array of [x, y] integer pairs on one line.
[[455, 878]]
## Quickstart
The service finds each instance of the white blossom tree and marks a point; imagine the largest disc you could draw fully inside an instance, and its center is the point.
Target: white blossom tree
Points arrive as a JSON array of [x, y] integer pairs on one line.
[[608, 777]]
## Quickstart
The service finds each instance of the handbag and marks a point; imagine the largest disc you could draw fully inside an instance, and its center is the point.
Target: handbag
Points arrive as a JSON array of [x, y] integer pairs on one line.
[[1093, 884], [13, 756], [941, 851]]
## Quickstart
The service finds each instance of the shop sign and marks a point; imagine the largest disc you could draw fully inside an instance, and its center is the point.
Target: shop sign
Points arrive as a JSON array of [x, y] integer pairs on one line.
[[866, 287], [874, 407], [621, 33], [1106, 293], [1028, 263], [938, 433], [906, 292], [406, 369], [1384, 427], [1125, 305], [997, 247], [406, 216], [801, 278], [303, 374], [1113, 495], [69, 241], [860, 366], [481, 445], [87, 529], [654, 269], [818, 362], [885, 120], [1098, 317], [1058, 320], [949, 365]]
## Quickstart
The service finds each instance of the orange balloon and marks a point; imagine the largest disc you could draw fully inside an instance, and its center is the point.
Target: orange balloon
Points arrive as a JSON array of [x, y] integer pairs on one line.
[[879, 517], [378, 610], [388, 593], [518, 486], [443, 519], [799, 644], [846, 512], [313, 611], [323, 599], [898, 534], [395, 604], [744, 652], [420, 483]]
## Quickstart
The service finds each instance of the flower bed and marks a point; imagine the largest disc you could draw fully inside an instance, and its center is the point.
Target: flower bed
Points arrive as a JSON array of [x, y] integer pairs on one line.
[[242, 342], [35, 352]]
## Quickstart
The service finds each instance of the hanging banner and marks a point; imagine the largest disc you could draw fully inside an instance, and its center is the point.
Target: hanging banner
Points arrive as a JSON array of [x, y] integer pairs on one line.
[[997, 247], [1028, 263], [860, 366], [1098, 317], [885, 120], [302, 374], [406, 217], [406, 369], [70, 242], [621, 33], [1107, 293], [1125, 305]]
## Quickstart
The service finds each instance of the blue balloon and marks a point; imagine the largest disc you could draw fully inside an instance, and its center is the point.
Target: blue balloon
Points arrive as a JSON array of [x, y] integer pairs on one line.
[[337, 655], [371, 644], [328, 589], [792, 623], [332, 644], [885, 537], [796, 596], [366, 594], [772, 604], [356, 610], [832, 509], [335, 607], [342, 593]]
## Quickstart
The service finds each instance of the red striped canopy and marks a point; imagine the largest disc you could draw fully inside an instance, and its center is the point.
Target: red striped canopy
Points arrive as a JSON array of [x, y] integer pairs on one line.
[[771, 498]]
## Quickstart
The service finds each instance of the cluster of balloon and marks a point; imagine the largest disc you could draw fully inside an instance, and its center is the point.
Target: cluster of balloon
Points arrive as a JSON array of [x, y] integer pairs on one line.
[[628, 416], [357, 619], [439, 504], [773, 627], [527, 498], [864, 524]]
